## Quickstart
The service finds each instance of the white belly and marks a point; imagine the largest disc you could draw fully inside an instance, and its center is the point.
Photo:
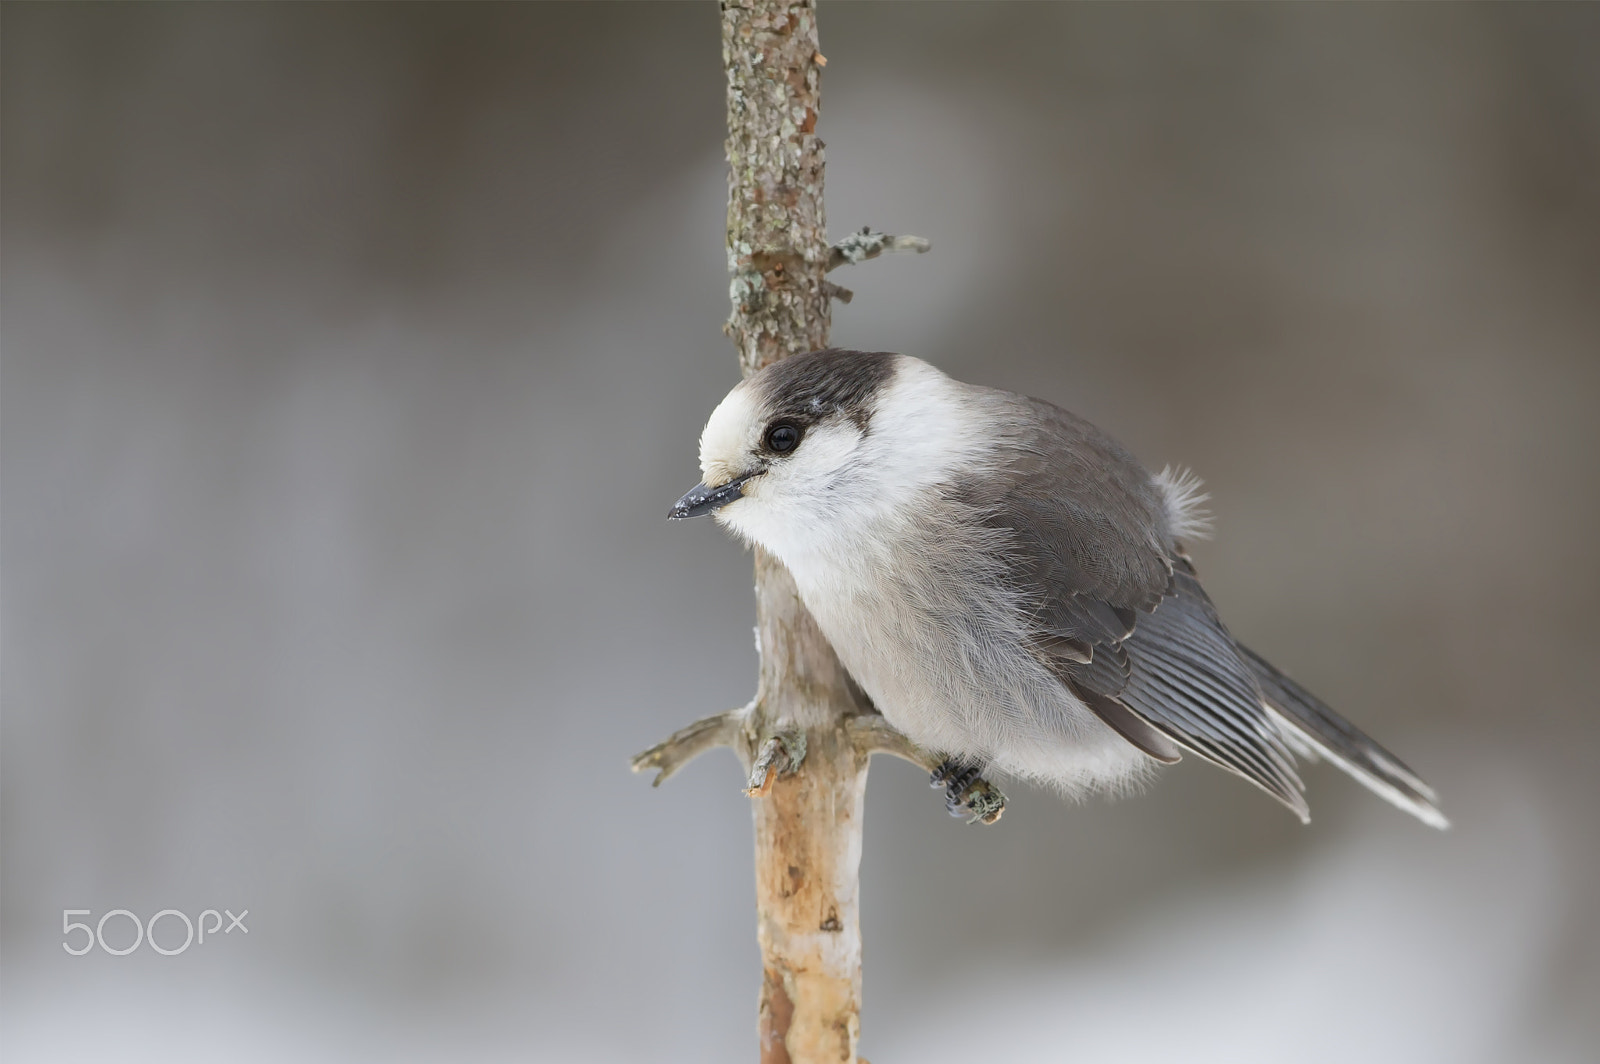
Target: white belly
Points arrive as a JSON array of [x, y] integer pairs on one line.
[[959, 681]]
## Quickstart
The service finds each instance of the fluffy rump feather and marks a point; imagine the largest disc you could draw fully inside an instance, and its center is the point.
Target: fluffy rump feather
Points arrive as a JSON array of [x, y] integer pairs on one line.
[[1184, 496]]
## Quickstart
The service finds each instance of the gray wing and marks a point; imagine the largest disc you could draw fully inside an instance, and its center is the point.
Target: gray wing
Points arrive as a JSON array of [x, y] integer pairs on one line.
[[1118, 614], [1323, 733]]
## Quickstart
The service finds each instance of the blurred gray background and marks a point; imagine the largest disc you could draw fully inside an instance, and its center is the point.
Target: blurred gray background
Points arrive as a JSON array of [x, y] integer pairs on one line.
[[353, 354]]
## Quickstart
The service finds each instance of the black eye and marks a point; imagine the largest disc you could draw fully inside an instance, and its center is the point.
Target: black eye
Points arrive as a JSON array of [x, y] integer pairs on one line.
[[782, 437]]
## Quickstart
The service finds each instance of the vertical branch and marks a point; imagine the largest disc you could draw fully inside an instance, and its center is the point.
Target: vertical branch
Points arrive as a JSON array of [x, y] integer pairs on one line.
[[809, 732], [808, 839], [808, 819], [777, 232]]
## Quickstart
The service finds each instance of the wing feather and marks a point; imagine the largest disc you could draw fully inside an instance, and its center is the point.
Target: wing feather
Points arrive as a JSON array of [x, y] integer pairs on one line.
[[1305, 717], [1121, 620], [1116, 609]]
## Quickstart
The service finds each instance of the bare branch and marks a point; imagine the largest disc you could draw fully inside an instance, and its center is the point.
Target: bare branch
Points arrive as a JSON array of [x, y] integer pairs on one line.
[[872, 734], [810, 778], [686, 744], [869, 244]]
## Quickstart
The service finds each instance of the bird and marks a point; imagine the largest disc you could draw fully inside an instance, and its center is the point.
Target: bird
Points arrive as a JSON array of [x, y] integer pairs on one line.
[[1009, 586]]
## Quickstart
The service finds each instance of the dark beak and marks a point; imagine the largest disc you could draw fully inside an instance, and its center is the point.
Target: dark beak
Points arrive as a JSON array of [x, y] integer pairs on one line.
[[702, 500]]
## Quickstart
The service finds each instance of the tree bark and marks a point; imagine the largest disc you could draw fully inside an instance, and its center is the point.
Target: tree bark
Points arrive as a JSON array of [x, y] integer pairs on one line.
[[807, 736], [808, 820]]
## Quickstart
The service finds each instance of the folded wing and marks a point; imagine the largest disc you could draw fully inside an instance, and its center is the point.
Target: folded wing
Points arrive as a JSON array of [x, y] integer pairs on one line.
[[1119, 617]]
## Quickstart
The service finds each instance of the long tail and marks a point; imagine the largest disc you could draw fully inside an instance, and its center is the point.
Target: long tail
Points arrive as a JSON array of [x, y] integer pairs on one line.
[[1313, 729]]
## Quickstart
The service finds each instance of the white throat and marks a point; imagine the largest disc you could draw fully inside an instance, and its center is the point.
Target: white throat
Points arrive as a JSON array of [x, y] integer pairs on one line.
[[851, 485]]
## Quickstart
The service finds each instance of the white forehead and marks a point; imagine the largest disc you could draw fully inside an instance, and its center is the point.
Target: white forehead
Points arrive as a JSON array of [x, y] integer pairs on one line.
[[730, 435]]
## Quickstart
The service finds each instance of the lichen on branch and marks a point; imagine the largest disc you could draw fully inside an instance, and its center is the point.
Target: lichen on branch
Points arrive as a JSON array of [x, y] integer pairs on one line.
[[777, 230]]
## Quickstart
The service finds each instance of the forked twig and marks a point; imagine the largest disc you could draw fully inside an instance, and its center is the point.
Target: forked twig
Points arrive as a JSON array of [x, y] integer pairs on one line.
[[686, 744]]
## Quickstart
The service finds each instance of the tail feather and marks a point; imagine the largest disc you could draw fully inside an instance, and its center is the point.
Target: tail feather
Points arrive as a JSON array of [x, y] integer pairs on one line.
[[1309, 725]]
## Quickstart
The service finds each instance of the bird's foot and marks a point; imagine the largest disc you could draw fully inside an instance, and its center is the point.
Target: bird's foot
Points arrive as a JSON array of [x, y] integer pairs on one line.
[[966, 793], [953, 777]]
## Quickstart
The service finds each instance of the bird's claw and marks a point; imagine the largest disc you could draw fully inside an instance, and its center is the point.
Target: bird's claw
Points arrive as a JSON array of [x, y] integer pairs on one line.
[[966, 793]]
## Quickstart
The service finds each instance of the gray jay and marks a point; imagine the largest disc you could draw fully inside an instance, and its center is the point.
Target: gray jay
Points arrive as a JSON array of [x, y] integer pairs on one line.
[[1008, 584]]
